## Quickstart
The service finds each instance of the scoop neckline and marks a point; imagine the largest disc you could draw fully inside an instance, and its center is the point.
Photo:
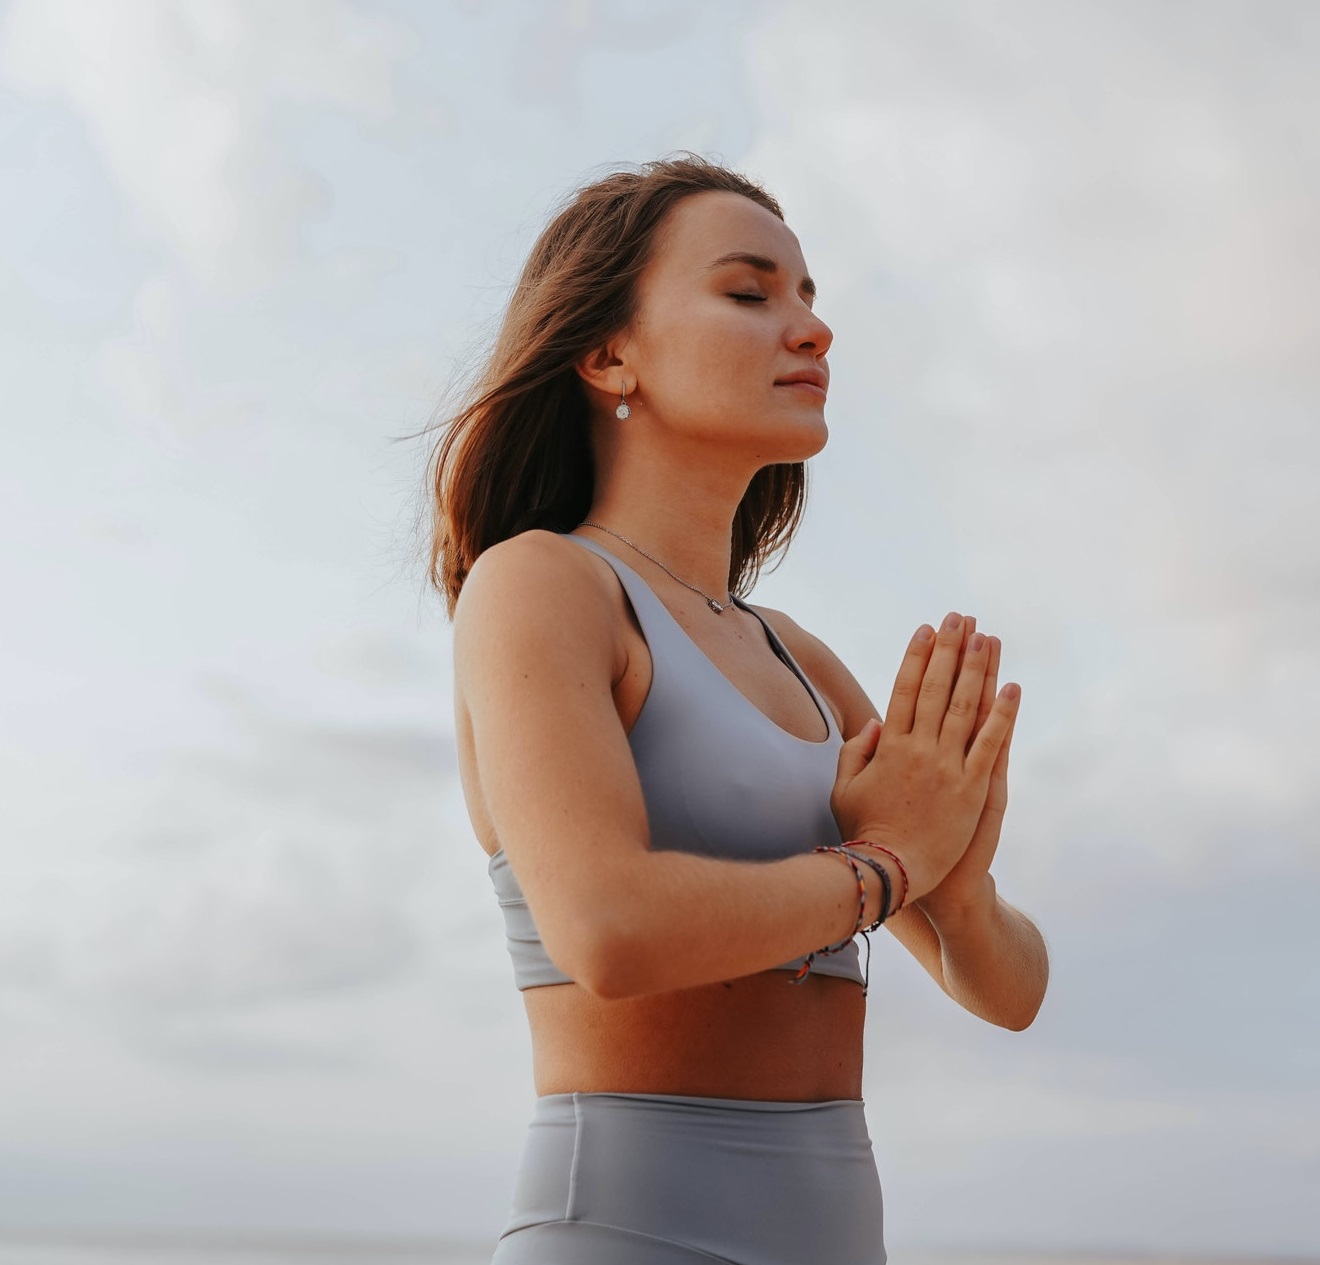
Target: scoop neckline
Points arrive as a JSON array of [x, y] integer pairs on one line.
[[776, 642]]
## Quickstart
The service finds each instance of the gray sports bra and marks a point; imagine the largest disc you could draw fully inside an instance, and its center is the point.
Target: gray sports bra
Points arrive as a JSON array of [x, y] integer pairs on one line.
[[719, 777]]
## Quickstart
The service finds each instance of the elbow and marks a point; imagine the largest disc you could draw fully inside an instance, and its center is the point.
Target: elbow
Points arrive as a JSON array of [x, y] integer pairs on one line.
[[1019, 1025], [602, 960], [1024, 1021]]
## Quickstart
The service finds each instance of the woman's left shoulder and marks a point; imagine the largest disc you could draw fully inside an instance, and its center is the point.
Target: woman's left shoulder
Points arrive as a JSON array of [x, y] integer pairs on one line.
[[849, 702]]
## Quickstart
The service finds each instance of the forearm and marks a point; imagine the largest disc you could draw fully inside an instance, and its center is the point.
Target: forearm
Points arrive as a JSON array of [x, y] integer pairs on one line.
[[994, 959], [702, 919]]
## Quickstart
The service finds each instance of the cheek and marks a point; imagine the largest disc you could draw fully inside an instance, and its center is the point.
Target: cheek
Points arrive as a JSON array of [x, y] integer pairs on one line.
[[699, 340], [696, 371], [683, 354]]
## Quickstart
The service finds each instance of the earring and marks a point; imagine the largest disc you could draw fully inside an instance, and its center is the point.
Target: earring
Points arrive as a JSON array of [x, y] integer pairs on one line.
[[623, 411]]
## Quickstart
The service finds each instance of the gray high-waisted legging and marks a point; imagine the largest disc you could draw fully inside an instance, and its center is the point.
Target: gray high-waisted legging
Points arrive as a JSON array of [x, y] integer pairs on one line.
[[667, 1179]]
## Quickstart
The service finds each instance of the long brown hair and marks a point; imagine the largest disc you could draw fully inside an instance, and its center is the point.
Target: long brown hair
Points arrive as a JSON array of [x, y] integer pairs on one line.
[[517, 455]]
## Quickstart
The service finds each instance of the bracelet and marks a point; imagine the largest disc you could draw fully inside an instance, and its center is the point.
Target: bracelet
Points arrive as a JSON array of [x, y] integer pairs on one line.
[[870, 843], [885, 885], [888, 893], [805, 969]]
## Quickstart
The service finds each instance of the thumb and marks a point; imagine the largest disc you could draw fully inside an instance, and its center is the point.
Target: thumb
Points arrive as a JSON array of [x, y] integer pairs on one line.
[[856, 753]]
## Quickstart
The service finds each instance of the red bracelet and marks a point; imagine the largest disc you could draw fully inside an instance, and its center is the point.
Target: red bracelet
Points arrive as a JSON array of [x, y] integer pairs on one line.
[[872, 844]]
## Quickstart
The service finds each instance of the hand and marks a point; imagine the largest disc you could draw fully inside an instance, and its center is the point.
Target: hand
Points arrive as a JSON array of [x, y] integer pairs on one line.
[[967, 883], [918, 783]]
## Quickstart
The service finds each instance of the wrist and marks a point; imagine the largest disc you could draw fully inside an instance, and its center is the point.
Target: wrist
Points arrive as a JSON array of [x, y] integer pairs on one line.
[[959, 904], [899, 884]]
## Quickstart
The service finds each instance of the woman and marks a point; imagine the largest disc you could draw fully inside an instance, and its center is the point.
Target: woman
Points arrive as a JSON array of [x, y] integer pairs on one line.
[[663, 775]]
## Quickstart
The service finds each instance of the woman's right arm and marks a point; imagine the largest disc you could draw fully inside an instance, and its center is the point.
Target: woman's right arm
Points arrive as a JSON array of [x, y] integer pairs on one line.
[[535, 652]]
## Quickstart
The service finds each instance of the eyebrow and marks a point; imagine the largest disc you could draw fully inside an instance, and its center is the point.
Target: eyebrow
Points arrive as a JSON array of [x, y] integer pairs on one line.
[[762, 263]]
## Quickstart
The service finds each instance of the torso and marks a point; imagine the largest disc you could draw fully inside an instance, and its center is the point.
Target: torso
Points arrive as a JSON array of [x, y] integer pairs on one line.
[[752, 1037]]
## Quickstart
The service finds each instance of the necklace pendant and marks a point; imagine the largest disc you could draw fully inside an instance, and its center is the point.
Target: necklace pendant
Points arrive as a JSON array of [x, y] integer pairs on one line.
[[716, 607]]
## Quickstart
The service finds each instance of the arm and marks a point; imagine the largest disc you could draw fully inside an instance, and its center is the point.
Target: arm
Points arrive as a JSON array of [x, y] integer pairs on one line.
[[994, 959], [535, 657], [986, 955]]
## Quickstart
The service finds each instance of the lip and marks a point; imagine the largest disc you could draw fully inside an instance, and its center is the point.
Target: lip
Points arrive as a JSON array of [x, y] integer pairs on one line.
[[802, 385], [816, 379]]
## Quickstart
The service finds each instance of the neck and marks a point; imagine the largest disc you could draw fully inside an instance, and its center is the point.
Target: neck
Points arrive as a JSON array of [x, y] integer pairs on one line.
[[674, 496]]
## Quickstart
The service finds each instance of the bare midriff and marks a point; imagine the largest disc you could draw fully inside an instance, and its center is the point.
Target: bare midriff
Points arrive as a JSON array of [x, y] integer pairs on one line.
[[759, 1037]]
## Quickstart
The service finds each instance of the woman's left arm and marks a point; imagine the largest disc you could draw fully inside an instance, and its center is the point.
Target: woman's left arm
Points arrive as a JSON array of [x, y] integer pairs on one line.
[[985, 954], [988, 957]]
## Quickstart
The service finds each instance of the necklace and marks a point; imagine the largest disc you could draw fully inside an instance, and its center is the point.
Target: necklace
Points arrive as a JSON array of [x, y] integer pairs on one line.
[[710, 601]]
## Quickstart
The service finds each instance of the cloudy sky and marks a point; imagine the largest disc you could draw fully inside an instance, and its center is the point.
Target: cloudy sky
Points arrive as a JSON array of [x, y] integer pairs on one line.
[[252, 974]]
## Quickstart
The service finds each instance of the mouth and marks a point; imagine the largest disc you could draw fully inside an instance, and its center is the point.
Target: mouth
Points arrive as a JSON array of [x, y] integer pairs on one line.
[[806, 388], [813, 380]]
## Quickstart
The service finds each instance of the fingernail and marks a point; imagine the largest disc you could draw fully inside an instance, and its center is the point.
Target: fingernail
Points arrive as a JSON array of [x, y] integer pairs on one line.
[[1012, 690], [951, 621], [925, 632], [977, 642]]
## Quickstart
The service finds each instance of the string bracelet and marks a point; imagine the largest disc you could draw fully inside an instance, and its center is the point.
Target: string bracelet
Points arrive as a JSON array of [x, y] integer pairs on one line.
[[805, 969], [902, 869], [886, 886], [887, 892]]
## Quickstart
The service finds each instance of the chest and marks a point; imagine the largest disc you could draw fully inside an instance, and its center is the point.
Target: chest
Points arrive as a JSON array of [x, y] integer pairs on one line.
[[749, 664], [721, 771]]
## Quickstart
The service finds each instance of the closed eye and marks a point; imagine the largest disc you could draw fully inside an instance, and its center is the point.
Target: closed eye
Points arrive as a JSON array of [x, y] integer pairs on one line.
[[749, 298]]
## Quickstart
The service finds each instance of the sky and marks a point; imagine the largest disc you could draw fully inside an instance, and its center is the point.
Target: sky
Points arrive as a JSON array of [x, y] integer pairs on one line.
[[252, 973]]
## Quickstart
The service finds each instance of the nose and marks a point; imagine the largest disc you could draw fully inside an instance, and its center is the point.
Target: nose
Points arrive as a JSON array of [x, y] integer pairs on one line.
[[810, 333]]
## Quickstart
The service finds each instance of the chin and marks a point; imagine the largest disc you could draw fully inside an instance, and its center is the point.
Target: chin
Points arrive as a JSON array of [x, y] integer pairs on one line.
[[804, 441]]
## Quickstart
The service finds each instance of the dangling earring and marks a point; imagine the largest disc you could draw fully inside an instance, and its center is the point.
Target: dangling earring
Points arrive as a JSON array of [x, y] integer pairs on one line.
[[623, 411]]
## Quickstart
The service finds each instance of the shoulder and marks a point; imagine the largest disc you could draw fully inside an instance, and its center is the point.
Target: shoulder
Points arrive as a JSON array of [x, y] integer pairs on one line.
[[537, 563], [851, 705], [532, 592]]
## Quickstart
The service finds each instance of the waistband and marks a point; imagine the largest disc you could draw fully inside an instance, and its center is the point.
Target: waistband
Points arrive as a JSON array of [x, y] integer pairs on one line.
[[551, 1102]]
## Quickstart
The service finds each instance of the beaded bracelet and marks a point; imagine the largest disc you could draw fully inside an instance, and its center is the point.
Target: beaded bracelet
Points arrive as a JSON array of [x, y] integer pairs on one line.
[[805, 969], [886, 887], [870, 843], [887, 892]]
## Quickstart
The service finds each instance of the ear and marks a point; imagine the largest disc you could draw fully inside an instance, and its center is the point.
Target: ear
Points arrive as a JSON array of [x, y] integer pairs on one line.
[[606, 370]]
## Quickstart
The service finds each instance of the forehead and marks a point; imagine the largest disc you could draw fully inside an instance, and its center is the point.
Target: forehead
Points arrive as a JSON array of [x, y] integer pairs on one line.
[[705, 226]]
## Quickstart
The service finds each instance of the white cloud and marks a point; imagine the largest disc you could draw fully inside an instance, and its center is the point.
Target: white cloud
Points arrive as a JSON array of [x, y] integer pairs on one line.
[[143, 370], [301, 862], [180, 101]]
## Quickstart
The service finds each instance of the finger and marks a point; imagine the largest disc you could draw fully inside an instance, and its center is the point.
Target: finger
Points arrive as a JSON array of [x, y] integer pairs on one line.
[[986, 747], [990, 686], [903, 701], [966, 697], [969, 627], [1001, 761], [937, 683], [997, 796], [858, 751]]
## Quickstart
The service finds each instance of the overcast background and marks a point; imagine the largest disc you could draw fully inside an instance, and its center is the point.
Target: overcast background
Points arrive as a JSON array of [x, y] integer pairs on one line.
[[252, 973]]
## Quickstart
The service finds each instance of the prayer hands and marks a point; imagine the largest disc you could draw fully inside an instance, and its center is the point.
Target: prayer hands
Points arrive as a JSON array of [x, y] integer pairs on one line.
[[968, 882], [920, 783]]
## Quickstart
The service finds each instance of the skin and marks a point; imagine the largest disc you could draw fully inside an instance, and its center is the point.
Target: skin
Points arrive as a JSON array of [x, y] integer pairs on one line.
[[702, 367]]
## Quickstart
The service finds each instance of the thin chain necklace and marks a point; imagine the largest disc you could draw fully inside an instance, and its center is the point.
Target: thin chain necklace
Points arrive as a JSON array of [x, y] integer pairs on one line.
[[710, 601]]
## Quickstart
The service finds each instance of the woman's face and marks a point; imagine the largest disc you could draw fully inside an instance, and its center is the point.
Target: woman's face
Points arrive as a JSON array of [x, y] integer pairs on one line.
[[724, 319]]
